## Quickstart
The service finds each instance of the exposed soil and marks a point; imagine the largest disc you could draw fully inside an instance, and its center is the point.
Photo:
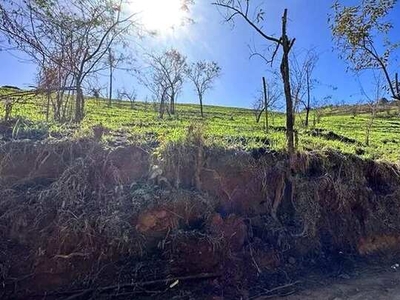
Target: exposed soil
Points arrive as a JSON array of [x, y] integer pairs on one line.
[[79, 220]]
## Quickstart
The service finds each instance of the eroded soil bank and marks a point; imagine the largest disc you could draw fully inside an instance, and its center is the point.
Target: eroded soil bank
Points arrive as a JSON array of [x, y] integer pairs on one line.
[[81, 221]]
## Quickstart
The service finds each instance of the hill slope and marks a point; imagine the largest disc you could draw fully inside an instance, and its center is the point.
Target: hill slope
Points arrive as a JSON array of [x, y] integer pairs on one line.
[[338, 128]]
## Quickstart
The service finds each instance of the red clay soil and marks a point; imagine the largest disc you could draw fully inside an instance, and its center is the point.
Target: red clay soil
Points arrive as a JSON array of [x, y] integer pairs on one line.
[[79, 221]]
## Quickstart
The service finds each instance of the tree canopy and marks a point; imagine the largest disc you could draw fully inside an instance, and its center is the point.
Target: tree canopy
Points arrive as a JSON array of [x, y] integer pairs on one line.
[[361, 33]]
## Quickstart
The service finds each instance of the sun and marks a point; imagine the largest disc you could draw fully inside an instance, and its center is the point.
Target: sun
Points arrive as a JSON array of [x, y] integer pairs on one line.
[[160, 16]]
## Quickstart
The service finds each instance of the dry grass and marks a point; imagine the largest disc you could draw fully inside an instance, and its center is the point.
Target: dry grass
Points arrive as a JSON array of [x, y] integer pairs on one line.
[[68, 207]]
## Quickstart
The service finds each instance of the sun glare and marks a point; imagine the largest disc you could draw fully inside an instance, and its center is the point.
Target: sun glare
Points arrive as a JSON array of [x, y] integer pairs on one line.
[[161, 16]]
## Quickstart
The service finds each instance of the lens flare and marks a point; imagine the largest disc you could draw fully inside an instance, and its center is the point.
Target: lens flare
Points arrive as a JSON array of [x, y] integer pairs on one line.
[[160, 16]]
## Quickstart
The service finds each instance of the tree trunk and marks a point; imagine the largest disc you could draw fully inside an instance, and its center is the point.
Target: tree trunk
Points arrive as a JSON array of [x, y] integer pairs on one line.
[[201, 104], [82, 106], [307, 116], [111, 87], [79, 104], [285, 72], [265, 105], [48, 107], [161, 112], [162, 105], [172, 103], [59, 101], [308, 99], [110, 61], [258, 116], [64, 106], [397, 83]]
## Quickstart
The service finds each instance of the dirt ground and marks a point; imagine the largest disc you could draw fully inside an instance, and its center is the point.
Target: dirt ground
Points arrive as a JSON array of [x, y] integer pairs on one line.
[[79, 220], [380, 283]]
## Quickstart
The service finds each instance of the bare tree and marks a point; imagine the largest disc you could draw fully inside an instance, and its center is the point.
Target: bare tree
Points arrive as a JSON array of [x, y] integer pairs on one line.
[[266, 100], [95, 92], [297, 81], [9, 99], [58, 86], [319, 109], [11, 96], [372, 102], [131, 96], [114, 62], [241, 8], [111, 63], [303, 82], [203, 74], [96, 89], [158, 89], [164, 77], [362, 34], [82, 31]]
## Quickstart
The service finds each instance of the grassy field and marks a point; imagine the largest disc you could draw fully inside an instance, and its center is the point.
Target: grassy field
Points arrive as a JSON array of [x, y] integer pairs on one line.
[[228, 127]]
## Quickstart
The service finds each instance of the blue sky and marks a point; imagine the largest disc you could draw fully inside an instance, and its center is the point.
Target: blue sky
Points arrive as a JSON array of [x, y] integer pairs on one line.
[[209, 38]]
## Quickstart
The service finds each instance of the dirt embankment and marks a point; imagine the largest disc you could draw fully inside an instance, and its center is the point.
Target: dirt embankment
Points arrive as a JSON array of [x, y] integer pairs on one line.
[[80, 221]]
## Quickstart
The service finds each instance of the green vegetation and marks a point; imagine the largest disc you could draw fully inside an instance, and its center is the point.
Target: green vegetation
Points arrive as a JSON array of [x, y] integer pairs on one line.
[[339, 127]]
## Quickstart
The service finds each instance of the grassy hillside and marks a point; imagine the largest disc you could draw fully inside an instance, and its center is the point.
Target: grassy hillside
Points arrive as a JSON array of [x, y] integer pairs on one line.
[[236, 128]]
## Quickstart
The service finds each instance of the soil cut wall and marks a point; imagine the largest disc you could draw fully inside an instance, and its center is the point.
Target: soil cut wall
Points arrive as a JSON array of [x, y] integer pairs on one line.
[[80, 221]]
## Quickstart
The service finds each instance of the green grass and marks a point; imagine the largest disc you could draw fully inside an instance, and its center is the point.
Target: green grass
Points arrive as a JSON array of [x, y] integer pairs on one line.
[[227, 127]]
